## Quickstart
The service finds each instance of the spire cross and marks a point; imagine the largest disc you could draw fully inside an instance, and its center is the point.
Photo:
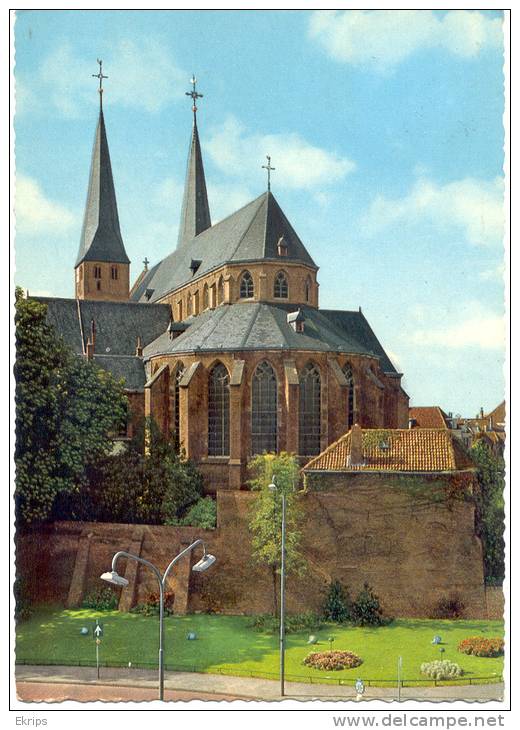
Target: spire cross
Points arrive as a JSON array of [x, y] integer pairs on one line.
[[100, 76], [194, 93], [146, 262], [268, 168]]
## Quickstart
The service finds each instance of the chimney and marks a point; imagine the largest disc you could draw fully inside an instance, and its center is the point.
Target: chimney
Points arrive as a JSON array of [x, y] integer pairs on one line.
[[412, 423], [356, 446], [481, 412], [90, 349], [139, 348]]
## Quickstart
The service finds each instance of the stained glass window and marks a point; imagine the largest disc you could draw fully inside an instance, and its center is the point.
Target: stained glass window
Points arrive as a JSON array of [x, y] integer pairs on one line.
[[310, 410], [264, 410], [218, 411]]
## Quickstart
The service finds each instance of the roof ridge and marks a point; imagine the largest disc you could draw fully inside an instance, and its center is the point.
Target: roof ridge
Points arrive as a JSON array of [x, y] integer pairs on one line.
[[251, 324], [333, 445]]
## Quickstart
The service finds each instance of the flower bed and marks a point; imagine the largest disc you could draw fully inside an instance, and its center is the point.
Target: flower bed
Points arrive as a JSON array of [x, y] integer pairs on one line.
[[332, 660], [441, 669], [480, 646]]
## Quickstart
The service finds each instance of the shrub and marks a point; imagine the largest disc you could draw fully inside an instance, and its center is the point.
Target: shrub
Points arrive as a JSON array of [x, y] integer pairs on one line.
[[269, 624], [338, 604], [202, 514], [101, 599], [332, 660], [441, 669], [449, 607], [22, 608], [366, 609], [150, 607], [480, 646]]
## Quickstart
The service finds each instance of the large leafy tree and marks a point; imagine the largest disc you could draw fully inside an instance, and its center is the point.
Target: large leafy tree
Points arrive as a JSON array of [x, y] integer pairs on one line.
[[490, 508], [66, 408], [266, 515]]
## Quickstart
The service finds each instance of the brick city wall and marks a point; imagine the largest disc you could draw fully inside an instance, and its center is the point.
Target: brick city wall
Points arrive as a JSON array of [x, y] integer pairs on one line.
[[412, 554]]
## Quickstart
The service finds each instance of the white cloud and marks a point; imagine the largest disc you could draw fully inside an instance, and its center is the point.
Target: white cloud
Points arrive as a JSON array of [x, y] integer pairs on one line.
[[225, 199], [298, 163], [36, 214], [143, 76], [384, 38], [477, 327], [474, 206], [495, 273]]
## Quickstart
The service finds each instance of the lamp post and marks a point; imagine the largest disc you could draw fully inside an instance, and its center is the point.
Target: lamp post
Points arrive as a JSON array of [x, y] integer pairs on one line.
[[114, 578], [273, 488]]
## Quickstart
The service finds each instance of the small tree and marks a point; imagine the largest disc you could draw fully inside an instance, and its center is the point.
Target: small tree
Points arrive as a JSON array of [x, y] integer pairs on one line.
[[338, 604], [366, 609], [266, 517], [490, 515]]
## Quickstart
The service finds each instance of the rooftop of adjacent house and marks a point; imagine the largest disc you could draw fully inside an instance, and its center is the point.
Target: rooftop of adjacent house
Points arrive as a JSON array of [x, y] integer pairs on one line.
[[427, 417], [117, 327], [261, 326], [395, 450], [250, 234]]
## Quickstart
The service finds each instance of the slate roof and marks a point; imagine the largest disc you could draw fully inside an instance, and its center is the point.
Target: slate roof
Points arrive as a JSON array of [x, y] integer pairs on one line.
[[118, 324], [410, 450], [195, 215], [428, 417], [250, 234], [101, 238], [261, 326]]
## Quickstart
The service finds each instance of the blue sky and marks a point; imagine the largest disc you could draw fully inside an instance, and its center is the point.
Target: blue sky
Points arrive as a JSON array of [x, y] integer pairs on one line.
[[385, 129]]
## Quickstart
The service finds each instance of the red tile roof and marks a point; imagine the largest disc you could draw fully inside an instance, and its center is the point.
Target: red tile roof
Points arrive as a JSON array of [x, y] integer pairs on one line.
[[416, 449], [428, 417]]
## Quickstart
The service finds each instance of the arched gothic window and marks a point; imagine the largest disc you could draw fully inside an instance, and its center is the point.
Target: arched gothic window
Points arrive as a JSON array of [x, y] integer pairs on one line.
[[264, 410], [175, 413], [218, 411], [190, 306], [347, 372], [308, 289], [310, 410], [205, 297], [220, 291], [247, 289], [281, 288]]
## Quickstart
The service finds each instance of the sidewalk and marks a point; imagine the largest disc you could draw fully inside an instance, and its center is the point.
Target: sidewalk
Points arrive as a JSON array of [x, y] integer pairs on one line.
[[249, 689]]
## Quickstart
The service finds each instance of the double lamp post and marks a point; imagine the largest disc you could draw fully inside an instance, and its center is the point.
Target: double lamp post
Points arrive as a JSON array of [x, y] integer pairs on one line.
[[114, 578]]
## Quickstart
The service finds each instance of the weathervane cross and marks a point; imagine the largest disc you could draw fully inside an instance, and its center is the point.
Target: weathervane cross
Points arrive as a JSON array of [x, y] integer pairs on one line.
[[194, 93], [100, 76], [146, 262], [269, 169]]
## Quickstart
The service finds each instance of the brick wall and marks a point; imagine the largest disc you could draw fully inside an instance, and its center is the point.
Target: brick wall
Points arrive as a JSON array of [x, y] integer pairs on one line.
[[411, 553]]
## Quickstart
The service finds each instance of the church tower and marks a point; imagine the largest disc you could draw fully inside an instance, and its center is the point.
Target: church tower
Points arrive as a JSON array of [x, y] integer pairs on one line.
[[195, 215], [102, 268]]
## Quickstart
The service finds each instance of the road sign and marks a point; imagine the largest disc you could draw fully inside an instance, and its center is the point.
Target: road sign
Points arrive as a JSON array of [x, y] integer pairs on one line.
[[97, 630]]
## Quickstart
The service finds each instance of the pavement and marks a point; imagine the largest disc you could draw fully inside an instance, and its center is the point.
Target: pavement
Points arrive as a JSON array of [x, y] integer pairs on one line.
[[115, 684]]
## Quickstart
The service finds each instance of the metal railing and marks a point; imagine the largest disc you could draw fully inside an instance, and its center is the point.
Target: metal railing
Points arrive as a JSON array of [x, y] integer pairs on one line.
[[259, 674]]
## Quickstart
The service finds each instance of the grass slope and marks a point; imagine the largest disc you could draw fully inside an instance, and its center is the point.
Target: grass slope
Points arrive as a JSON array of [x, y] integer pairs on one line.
[[225, 643]]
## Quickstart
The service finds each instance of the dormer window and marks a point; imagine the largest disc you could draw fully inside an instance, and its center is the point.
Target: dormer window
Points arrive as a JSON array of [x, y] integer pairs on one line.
[[281, 287], [148, 294], [296, 320], [282, 247], [194, 265], [247, 289]]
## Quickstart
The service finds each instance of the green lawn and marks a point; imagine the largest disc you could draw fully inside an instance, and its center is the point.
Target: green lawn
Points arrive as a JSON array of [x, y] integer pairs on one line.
[[225, 643]]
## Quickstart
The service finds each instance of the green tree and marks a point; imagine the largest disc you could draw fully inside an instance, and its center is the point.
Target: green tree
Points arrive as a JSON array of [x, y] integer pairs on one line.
[[489, 500], [266, 516], [338, 604], [65, 410]]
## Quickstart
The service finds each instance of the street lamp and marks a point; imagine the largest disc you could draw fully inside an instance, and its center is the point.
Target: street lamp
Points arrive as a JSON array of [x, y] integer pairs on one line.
[[273, 488], [114, 578]]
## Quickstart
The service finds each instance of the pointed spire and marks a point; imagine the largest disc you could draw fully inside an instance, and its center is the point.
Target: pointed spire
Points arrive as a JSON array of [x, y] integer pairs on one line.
[[195, 215], [101, 238]]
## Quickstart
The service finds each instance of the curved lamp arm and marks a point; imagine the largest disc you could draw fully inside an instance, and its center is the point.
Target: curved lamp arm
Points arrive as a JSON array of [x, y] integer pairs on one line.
[[181, 554], [124, 554]]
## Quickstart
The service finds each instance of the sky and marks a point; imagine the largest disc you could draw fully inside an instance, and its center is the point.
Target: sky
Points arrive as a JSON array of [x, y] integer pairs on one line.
[[385, 129]]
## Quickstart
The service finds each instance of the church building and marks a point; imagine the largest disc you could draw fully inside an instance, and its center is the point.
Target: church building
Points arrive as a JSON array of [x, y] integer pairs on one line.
[[223, 342]]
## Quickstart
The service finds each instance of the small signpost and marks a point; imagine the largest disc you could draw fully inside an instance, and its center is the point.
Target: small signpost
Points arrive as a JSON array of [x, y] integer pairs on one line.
[[97, 633], [360, 689]]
